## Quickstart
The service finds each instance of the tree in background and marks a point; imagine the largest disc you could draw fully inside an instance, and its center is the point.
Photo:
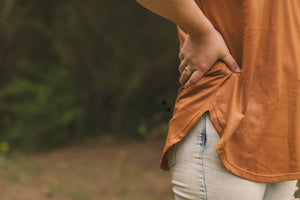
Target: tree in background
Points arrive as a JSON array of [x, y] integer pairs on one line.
[[75, 68]]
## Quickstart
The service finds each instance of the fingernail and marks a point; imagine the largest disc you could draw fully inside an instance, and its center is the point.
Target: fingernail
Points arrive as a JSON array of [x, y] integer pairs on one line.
[[238, 70]]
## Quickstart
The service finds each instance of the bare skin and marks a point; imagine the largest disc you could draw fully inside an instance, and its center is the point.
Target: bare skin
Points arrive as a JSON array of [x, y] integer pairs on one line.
[[203, 45]]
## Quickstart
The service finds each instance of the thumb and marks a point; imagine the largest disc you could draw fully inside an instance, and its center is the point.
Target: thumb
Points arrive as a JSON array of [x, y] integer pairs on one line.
[[232, 64]]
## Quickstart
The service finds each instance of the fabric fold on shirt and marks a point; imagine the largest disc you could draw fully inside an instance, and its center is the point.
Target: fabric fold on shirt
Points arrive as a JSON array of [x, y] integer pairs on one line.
[[256, 112]]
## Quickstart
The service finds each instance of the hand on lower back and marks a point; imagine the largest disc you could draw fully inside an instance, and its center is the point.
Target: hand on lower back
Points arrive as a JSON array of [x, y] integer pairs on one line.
[[200, 53]]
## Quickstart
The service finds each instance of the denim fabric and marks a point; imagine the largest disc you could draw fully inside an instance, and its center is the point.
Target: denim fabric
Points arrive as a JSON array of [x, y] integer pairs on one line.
[[198, 173]]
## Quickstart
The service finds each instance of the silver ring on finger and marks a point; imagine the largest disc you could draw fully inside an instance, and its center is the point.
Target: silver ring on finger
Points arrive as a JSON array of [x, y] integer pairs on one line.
[[187, 71]]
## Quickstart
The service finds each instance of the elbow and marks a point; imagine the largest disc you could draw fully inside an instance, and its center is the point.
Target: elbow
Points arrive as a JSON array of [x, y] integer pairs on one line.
[[139, 1], [143, 3]]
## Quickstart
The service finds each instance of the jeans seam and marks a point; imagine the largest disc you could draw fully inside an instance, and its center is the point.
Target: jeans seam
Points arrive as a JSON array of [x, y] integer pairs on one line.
[[204, 138]]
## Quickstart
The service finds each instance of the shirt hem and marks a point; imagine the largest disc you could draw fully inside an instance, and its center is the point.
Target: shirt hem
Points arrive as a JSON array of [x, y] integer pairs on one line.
[[231, 167], [252, 176]]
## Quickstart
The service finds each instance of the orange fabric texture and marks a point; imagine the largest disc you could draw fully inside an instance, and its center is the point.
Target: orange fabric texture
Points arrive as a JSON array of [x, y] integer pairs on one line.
[[256, 112]]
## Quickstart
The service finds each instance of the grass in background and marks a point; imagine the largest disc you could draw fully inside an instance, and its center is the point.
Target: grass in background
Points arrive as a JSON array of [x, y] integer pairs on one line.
[[102, 168]]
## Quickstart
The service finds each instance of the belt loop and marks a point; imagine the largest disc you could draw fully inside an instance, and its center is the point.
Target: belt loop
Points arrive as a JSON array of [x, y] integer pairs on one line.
[[206, 114]]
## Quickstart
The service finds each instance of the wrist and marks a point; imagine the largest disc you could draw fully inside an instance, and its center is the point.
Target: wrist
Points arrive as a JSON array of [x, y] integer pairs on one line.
[[203, 30]]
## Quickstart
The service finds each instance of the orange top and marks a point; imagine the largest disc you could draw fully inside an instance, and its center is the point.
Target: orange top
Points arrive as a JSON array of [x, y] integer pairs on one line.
[[256, 112]]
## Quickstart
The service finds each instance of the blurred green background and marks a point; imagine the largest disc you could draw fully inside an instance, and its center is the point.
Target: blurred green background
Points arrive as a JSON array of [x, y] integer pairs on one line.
[[71, 69], [86, 91]]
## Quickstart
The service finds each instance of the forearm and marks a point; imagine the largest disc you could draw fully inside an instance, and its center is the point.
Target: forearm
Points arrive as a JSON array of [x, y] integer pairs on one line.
[[185, 13]]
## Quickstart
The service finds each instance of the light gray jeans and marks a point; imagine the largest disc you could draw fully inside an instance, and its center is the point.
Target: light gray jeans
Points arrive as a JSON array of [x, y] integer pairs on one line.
[[199, 174]]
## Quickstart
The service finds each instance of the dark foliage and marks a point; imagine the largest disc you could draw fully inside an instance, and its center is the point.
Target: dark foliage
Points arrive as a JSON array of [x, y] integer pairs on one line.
[[75, 68]]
